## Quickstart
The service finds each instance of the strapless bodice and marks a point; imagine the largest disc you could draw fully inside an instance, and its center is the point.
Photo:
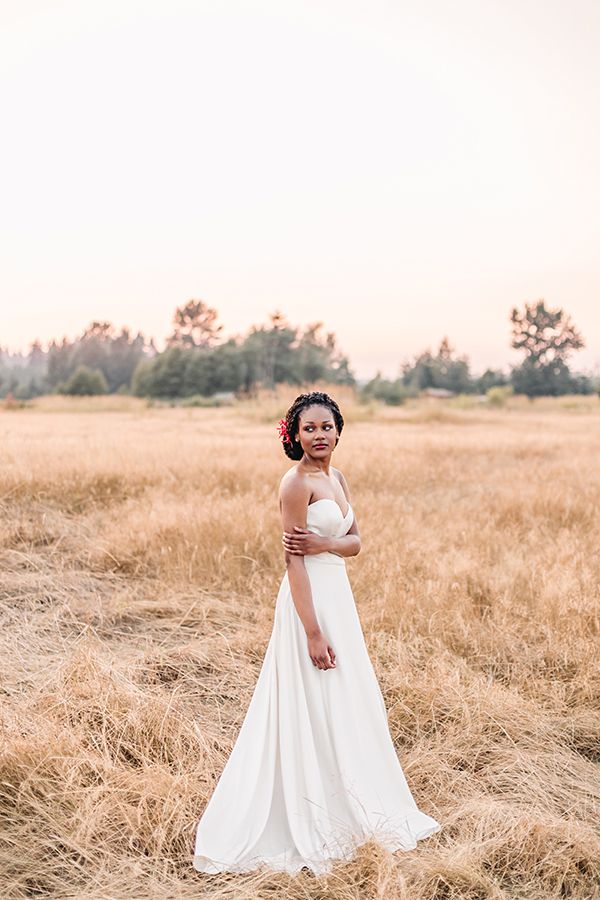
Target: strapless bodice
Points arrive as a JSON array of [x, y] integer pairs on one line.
[[326, 518]]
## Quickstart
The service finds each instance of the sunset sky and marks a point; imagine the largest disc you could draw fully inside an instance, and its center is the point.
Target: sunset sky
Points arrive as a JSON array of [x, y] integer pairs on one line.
[[399, 170]]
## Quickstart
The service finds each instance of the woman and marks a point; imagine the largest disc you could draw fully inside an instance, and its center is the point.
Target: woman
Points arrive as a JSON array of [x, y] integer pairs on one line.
[[313, 773]]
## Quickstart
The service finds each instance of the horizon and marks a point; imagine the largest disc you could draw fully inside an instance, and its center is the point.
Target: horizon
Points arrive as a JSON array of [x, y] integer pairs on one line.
[[475, 371]]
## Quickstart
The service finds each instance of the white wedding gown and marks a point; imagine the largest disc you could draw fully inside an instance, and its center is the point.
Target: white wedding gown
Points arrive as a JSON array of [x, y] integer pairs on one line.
[[313, 773]]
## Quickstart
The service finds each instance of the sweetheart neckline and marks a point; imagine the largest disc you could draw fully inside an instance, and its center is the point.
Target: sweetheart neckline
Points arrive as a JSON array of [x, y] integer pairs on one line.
[[333, 501]]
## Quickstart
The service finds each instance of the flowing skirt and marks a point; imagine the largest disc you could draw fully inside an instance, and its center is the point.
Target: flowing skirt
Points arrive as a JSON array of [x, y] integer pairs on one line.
[[314, 772]]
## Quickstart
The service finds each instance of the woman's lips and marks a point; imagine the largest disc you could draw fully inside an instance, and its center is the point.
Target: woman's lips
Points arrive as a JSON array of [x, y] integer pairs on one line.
[[320, 446]]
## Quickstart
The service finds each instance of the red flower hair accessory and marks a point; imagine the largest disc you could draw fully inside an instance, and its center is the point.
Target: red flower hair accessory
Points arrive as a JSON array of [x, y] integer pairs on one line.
[[283, 432]]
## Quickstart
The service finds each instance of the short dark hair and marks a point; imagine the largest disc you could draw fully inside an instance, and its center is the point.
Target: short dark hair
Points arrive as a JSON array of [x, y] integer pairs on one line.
[[294, 450]]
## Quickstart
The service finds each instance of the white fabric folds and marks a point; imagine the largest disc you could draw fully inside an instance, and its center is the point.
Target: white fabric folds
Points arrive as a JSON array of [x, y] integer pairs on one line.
[[314, 772]]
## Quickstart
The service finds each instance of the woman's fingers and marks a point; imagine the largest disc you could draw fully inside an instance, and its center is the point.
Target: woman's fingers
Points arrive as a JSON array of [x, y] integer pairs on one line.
[[292, 549], [322, 662], [290, 544]]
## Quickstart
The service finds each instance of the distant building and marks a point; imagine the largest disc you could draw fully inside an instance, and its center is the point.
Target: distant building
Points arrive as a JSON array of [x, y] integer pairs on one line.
[[437, 392], [226, 396]]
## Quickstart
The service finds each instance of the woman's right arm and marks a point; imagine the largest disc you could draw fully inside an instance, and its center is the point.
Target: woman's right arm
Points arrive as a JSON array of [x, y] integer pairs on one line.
[[294, 497]]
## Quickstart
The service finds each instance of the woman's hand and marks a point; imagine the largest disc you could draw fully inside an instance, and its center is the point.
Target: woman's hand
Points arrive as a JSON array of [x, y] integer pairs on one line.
[[321, 652], [304, 542]]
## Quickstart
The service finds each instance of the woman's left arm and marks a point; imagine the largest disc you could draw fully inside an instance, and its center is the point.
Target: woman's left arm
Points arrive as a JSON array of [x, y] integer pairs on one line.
[[348, 544]]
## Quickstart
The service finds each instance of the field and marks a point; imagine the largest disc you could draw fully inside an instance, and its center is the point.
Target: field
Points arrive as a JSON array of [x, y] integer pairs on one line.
[[140, 562]]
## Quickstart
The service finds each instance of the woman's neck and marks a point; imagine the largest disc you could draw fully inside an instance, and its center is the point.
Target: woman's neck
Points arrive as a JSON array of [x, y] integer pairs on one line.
[[316, 465]]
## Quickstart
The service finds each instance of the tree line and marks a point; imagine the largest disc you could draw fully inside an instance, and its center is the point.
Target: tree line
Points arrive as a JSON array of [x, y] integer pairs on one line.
[[199, 361], [545, 337]]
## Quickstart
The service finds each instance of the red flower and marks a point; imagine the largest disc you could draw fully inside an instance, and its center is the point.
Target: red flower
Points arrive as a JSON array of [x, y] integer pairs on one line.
[[283, 432]]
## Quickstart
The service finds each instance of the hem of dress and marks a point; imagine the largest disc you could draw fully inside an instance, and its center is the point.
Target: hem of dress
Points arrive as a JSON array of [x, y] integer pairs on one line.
[[402, 839]]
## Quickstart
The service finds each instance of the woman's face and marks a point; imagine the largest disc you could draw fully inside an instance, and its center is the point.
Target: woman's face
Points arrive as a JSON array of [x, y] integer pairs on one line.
[[316, 430]]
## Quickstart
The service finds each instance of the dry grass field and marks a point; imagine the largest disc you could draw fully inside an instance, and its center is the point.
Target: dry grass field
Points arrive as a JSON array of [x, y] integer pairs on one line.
[[141, 557]]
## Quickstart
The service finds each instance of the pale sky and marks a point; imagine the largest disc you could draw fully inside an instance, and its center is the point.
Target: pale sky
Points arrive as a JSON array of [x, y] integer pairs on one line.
[[399, 170]]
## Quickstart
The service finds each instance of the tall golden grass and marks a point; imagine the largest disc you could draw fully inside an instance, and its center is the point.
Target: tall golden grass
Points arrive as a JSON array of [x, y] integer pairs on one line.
[[141, 557]]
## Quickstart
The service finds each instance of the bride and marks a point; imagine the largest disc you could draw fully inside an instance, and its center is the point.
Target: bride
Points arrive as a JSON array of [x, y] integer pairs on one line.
[[313, 773]]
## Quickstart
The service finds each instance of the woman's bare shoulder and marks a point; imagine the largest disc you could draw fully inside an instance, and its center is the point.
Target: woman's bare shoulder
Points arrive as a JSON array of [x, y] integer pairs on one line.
[[338, 474], [340, 477], [294, 497], [293, 482]]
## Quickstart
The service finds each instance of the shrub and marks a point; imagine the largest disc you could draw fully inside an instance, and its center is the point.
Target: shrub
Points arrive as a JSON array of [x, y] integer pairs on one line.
[[84, 381], [498, 395]]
